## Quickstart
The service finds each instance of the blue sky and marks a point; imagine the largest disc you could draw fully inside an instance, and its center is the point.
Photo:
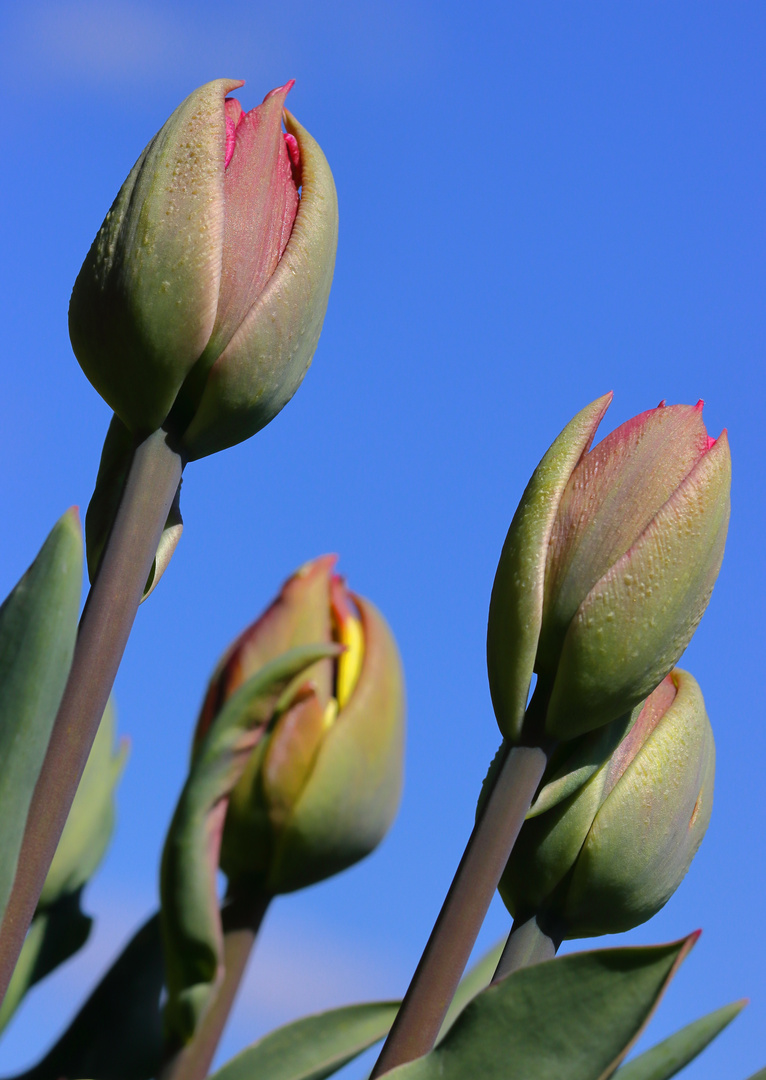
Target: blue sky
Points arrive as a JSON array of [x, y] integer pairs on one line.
[[538, 203]]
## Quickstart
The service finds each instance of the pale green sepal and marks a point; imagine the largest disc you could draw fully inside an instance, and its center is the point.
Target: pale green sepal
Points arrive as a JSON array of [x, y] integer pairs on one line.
[[116, 456], [576, 761], [144, 303], [118, 1031], [191, 921], [516, 605], [38, 627], [572, 1018], [314, 1046], [265, 362], [55, 934], [476, 979], [637, 620], [672, 1054], [90, 823], [648, 829]]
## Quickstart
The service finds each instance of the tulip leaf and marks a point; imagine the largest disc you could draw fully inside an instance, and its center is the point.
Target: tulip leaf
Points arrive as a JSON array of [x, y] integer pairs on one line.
[[516, 606], [672, 1054], [57, 932], [314, 1046], [760, 1075], [113, 469], [38, 627], [191, 920], [572, 1018], [117, 1035]]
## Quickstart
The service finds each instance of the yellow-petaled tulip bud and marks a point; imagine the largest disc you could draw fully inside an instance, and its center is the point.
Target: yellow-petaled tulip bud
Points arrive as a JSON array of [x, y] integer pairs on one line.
[[322, 784]]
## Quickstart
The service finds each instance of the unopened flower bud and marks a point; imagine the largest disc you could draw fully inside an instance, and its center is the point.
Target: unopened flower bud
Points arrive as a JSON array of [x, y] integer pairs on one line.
[[610, 856], [200, 303], [607, 568], [322, 786]]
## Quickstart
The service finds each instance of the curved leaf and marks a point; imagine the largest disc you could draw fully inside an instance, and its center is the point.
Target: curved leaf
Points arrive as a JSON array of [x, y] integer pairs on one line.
[[191, 920], [117, 1035], [572, 1018], [672, 1054], [314, 1046], [38, 627]]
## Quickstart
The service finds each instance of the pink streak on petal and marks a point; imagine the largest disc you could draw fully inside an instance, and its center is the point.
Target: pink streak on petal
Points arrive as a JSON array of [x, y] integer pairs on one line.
[[711, 442], [233, 116], [260, 204]]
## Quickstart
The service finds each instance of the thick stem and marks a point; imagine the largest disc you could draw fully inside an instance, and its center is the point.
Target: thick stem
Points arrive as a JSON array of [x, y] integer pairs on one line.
[[452, 939], [106, 622], [241, 919], [527, 944]]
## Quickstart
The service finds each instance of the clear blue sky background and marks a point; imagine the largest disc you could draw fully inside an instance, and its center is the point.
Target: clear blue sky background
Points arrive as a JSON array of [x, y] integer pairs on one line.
[[539, 202]]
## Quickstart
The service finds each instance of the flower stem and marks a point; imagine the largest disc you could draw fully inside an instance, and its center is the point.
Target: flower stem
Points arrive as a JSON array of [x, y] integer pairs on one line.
[[452, 939], [242, 918], [527, 944], [105, 626]]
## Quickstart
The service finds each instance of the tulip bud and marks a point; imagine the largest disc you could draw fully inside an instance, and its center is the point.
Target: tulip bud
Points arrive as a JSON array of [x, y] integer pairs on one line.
[[610, 856], [322, 785], [200, 303], [607, 568]]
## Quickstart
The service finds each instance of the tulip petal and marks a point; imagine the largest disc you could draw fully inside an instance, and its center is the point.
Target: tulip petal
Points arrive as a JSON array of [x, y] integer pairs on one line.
[[650, 826], [637, 620], [155, 260], [612, 495], [260, 204], [265, 361], [516, 606], [352, 797], [300, 615]]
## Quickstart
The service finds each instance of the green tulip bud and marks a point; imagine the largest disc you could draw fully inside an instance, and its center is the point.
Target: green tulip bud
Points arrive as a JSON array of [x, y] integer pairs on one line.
[[611, 855], [607, 568], [200, 303], [323, 783]]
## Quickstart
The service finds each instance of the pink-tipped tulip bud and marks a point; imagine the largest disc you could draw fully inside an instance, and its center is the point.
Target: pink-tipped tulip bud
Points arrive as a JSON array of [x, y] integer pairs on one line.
[[610, 856], [607, 568], [200, 303], [323, 783]]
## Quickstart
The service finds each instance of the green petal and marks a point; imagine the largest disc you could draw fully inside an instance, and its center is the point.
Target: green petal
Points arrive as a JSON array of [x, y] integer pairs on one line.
[[515, 609]]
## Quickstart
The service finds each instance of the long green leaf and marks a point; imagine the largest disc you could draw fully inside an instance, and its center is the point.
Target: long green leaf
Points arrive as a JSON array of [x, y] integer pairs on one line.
[[314, 1046], [760, 1075], [117, 1035], [573, 1018], [57, 932], [672, 1054], [38, 626]]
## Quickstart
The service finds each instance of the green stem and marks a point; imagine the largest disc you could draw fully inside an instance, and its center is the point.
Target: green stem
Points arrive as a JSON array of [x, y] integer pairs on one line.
[[527, 944], [452, 939], [242, 919], [105, 626]]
